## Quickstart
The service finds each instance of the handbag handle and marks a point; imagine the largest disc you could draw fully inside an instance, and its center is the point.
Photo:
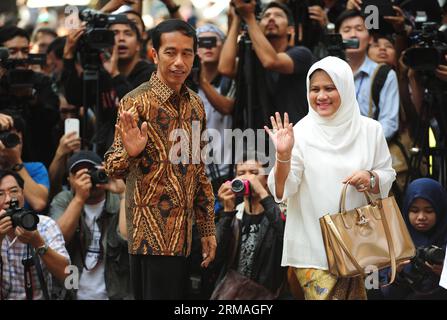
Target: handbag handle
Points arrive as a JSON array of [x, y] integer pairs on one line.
[[342, 206], [389, 240]]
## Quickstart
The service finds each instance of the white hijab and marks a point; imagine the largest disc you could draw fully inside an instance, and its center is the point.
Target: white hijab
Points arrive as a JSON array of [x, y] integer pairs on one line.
[[339, 130]]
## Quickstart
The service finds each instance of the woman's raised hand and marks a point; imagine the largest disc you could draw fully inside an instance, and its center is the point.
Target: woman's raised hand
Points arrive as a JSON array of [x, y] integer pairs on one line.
[[282, 136]]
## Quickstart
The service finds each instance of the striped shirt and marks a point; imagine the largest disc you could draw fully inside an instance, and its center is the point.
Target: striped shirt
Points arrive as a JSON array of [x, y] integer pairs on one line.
[[14, 251]]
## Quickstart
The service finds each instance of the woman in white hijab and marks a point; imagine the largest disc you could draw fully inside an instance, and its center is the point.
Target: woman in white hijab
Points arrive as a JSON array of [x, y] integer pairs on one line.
[[330, 146]]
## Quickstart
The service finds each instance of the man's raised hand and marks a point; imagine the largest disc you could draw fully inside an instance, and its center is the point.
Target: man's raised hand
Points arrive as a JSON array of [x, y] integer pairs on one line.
[[134, 139]]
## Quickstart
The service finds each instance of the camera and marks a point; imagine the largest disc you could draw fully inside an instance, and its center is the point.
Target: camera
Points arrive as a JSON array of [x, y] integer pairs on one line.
[[97, 38], [9, 139], [21, 217], [419, 271], [96, 35], [429, 49], [336, 46], [207, 42], [431, 254], [16, 77], [98, 176], [240, 187]]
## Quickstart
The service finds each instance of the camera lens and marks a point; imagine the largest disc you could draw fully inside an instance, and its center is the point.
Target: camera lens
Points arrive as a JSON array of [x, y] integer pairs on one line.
[[102, 177], [9, 140], [29, 221], [237, 186]]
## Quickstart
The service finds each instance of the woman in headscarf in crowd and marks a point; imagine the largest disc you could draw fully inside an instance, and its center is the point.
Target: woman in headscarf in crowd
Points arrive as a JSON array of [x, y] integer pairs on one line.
[[425, 214], [330, 146]]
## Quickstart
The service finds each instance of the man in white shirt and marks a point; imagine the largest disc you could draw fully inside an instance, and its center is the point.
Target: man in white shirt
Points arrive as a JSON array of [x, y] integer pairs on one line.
[[89, 219]]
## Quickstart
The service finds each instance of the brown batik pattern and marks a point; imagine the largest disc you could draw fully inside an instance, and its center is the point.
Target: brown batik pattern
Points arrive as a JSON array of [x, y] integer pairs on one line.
[[162, 197]]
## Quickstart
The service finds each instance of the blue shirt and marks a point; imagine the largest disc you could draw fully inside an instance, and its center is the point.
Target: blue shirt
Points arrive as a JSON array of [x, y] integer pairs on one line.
[[388, 101], [39, 174]]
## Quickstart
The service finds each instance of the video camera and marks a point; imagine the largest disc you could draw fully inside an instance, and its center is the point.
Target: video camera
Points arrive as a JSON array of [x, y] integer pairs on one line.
[[17, 75], [336, 46], [97, 37], [429, 48], [420, 272], [21, 217]]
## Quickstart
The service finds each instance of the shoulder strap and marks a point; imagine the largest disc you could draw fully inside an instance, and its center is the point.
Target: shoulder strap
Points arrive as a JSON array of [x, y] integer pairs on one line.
[[378, 80]]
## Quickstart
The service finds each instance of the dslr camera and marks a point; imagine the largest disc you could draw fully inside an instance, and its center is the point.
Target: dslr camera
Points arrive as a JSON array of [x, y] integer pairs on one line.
[[98, 176], [428, 50], [420, 272], [9, 139], [240, 187], [21, 217]]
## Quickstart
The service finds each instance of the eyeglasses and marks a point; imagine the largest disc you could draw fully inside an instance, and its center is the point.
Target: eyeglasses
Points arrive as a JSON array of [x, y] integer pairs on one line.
[[13, 194]]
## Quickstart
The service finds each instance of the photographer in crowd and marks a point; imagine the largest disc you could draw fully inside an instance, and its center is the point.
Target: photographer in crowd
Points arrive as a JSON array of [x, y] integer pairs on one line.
[[425, 214], [88, 216], [41, 39], [35, 100], [34, 174], [351, 25], [259, 224], [217, 94], [39, 252], [282, 69], [122, 72]]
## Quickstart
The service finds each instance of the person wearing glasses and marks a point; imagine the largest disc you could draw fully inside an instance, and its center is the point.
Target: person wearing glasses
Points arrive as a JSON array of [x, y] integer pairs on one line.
[[89, 216], [44, 247]]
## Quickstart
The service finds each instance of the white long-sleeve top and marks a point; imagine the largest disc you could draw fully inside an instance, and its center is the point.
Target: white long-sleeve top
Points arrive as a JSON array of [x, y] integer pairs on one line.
[[326, 152]]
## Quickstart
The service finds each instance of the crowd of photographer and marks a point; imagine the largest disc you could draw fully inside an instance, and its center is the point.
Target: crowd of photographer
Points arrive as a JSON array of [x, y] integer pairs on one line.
[[59, 208]]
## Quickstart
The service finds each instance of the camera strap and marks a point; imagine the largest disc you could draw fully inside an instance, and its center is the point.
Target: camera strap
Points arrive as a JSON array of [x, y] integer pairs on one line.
[[28, 276], [1, 278], [40, 275], [30, 260]]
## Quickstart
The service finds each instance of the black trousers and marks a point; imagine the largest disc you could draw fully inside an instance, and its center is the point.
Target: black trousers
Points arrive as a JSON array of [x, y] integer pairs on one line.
[[158, 277]]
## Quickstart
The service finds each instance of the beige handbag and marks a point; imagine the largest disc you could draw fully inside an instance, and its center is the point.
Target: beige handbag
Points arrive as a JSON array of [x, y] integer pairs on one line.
[[374, 235]]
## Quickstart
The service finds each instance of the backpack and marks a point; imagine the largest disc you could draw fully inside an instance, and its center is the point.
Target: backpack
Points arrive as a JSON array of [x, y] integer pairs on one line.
[[379, 78]]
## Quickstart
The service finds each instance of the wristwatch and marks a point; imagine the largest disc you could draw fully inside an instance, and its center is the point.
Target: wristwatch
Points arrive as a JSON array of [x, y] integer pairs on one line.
[[17, 167], [372, 180], [42, 250]]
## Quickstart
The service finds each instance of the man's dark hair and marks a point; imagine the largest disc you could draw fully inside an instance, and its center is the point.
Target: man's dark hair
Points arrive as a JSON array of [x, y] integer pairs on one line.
[[283, 7], [248, 155], [19, 122], [57, 46], [138, 15], [347, 14], [173, 25], [376, 36], [43, 30], [15, 175], [133, 26], [10, 32]]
